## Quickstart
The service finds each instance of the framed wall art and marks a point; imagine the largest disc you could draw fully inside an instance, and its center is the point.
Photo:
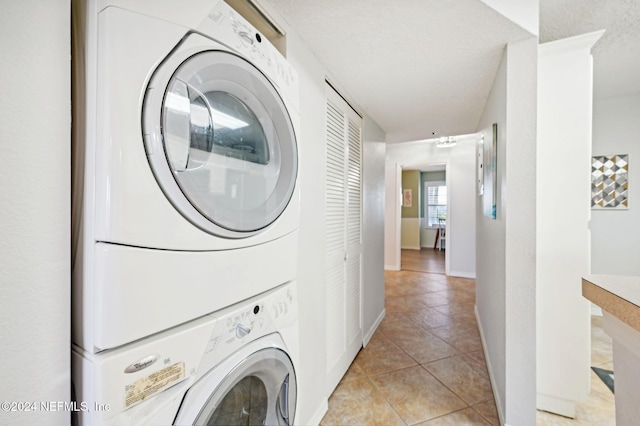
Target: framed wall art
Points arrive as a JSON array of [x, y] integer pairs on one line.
[[407, 198], [610, 182], [490, 174]]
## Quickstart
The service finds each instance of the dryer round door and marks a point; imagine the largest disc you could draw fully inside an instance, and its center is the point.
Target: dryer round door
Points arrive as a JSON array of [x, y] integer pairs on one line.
[[260, 390], [228, 159]]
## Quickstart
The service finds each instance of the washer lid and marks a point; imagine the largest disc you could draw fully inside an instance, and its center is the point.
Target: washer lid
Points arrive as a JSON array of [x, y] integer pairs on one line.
[[229, 155]]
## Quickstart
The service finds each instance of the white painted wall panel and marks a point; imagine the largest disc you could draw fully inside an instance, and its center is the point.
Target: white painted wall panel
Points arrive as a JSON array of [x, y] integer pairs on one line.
[[505, 283], [491, 249], [564, 143], [615, 235], [35, 124], [373, 211]]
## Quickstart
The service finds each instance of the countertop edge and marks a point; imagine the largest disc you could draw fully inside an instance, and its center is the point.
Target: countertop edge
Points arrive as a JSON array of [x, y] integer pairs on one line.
[[626, 311]]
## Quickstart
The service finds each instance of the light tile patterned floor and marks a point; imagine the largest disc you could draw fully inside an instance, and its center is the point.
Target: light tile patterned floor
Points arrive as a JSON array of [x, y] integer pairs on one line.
[[424, 365]]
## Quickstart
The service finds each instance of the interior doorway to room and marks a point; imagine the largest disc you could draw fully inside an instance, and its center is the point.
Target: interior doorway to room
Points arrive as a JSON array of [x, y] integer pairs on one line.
[[424, 219]]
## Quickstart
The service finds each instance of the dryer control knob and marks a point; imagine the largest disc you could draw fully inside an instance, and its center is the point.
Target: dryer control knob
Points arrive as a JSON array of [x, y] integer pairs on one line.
[[242, 331]]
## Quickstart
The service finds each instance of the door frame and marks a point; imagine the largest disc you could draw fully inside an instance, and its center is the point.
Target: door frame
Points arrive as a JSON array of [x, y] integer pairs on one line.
[[398, 216]]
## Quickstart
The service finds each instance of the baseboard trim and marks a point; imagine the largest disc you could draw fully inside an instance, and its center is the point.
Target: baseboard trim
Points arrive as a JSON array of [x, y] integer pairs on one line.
[[391, 268], [462, 274], [496, 396], [410, 247], [367, 337], [556, 405]]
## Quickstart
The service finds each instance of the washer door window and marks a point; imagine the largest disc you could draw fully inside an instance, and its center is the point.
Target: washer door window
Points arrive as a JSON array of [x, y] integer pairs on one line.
[[230, 154], [261, 390]]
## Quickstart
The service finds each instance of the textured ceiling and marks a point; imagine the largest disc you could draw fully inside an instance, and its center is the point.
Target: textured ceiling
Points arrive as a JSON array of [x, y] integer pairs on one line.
[[415, 66], [616, 56], [423, 66]]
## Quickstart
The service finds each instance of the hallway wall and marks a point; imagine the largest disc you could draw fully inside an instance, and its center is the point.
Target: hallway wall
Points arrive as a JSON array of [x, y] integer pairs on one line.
[[35, 261], [615, 235], [373, 207], [505, 284]]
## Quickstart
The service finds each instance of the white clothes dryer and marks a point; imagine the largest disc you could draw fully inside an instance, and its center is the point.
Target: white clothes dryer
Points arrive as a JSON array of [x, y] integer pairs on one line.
[[185, 166], [233, 367]]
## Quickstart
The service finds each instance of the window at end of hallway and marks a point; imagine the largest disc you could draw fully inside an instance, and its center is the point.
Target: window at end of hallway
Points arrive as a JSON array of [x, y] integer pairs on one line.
[[436, 205]]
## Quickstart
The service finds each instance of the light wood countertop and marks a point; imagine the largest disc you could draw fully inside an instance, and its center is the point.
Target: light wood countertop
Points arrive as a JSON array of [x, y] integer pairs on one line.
[[618, 295]]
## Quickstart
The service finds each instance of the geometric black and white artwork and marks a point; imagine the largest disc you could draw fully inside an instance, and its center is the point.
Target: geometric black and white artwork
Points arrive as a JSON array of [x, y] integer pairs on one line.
[[610, 182]]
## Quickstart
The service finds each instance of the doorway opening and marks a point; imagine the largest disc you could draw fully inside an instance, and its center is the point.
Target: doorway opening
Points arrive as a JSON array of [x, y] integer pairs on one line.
[[424, 219]]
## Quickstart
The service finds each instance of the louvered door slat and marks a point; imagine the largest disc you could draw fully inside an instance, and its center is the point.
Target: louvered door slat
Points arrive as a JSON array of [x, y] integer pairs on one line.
[[343, 236]]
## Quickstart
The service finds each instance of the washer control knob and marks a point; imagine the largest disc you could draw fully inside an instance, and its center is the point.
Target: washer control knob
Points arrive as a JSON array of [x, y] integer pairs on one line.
[[242, 331], [246, 38]]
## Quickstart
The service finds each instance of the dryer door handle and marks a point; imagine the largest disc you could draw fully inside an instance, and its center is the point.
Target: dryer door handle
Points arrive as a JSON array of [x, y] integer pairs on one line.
[[283, 400]]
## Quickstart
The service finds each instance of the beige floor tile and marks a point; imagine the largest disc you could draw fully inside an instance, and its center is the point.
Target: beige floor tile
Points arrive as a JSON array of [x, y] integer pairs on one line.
[[462, 375], [456, 296], [416, 395], [489, 412], [402, 288], [462, 336], [478, 356], [395, 304], [421, 345], [466, 417], [432, 299], [354, 372], [429, 318], [461, 312], [381, 356], [395, 323], [358, 402]]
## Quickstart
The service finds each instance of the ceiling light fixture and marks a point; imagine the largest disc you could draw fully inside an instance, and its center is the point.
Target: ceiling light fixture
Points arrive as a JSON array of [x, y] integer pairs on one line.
[[446, 142]]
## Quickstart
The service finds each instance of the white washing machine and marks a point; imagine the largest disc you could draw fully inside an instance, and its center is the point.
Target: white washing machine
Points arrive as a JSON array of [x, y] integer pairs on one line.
[[234, 367], [185, 166]]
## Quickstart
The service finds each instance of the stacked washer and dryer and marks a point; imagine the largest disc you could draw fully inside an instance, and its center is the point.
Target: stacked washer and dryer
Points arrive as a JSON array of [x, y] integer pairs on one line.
[[186, 210]]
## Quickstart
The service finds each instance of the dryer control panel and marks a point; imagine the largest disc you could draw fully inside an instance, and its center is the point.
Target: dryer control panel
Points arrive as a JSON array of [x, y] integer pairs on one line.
[[226, 26]]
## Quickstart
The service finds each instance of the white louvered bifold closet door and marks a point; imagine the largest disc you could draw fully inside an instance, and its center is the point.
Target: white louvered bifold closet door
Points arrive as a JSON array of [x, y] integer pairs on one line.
[[343, 235]]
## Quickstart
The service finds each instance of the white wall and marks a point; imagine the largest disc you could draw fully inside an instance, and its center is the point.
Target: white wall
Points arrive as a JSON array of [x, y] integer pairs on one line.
[[35, 119], [490, 247], [564, 143], [392, 215], [520, 244], [615, 235], [461, 183], [505, 283], [372, 226]]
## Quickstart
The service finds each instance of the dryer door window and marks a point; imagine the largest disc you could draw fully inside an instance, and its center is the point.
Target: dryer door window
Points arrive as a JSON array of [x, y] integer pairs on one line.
[[261, 390], [229, 145]]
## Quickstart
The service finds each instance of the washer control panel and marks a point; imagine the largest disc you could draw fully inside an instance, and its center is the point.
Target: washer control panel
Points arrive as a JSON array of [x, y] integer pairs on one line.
[[250, 320]]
